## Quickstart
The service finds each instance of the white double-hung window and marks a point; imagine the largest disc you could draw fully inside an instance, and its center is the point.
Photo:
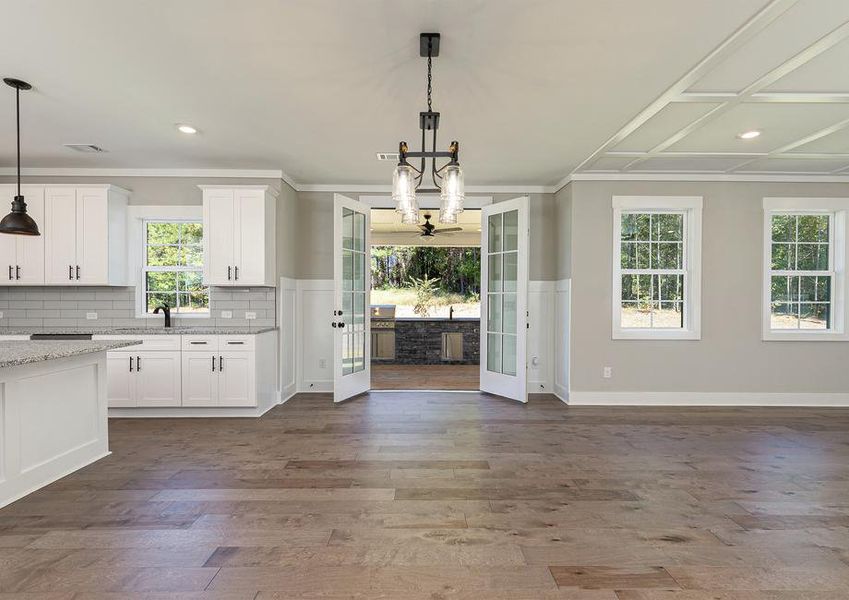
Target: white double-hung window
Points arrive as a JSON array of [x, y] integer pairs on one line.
[[805, 257], [657, 267]]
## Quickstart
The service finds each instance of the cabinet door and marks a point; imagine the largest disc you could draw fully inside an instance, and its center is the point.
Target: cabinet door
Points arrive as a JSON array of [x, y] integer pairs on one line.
[[29, 267], [92, 241], [158, 379], [250, 237], [60, 235], [8, 243], [200, 379], [120, 376], [236, 379], [219, 218]]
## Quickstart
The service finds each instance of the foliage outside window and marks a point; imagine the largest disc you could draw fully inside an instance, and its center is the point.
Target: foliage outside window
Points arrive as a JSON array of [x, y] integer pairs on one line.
[[173, 267], [657, 267], [801, 271]]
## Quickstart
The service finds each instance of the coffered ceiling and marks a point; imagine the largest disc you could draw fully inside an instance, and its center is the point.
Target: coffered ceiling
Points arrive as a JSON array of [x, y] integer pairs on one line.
[[535, 90], [783, 74]]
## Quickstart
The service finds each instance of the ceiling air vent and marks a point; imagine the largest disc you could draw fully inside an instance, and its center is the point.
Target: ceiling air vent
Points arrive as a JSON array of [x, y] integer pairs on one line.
[[393, 156], [85, 148]]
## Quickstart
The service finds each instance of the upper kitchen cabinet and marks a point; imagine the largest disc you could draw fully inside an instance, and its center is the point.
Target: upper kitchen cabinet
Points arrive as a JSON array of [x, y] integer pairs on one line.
[[239, 235], [22, 256], [84, 233]]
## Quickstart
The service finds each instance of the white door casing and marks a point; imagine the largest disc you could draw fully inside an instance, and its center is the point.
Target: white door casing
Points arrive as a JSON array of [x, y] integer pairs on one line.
[[504, 299], [352, 291]]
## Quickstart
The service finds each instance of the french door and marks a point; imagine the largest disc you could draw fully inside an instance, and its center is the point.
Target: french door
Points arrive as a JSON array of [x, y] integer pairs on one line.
[[352, 275], [504, 299]]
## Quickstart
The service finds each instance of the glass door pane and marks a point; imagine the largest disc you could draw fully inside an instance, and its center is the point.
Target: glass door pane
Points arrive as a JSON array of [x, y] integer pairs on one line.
[[502, 282]]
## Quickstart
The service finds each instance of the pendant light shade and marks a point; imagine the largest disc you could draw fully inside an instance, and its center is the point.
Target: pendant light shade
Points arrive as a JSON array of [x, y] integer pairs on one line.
[[404, 194], [453, 194], [18, 222]]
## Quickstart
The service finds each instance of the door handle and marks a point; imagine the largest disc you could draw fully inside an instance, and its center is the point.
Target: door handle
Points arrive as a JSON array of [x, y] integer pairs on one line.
[[229, 272], [131, 364], [138, 363], [70, 271], [17, 271], [236, 271], [78, 271], [213, 364], [220, 363], [340, 325]]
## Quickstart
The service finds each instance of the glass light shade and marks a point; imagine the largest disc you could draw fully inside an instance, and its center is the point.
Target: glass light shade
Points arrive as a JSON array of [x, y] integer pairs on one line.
[[453, 194], [404, 189]]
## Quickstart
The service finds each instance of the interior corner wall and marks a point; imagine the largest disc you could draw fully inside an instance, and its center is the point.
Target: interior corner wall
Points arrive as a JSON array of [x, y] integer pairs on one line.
[[287, 216], [315, 232], [563, 231], [730, 357]]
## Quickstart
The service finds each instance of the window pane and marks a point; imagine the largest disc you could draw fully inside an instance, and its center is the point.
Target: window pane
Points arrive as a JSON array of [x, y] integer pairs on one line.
[[163, 233], [642, 227], [812, 257], [199, 301], [783, 228], [509, 313], [628, 255], [192, 233], [162, 256], [493, 352], [511, 271], [347, 270], [511, 230], [784, 315], [668, 227], [161, 299], [190, 281], [670, 288], [643, 255], [509, 355], [347, 228], [635, 315], [493, 309], [629, 227], [784, 289], [494, 275], [668, 255], [783, 257], [813, 228], [191, 256], [162, 281], [359, 271], [494, 228], [814, 316], [668, 315]]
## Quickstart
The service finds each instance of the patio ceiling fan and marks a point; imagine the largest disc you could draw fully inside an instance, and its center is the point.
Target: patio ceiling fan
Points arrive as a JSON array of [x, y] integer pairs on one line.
[[430, 230]]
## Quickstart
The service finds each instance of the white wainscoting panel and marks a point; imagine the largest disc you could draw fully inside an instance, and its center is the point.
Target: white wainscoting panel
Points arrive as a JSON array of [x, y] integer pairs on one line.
[[314, 335], [287, 298], [561, 347], [540, 337]]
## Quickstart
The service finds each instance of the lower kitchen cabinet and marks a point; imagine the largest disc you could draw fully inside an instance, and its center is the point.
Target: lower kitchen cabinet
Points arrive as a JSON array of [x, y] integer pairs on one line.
[[143, 379], [213, 379]]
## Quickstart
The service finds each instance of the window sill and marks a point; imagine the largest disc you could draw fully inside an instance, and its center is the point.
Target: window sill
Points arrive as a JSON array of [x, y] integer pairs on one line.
[[656, 335], [804, 336], [174, 316]]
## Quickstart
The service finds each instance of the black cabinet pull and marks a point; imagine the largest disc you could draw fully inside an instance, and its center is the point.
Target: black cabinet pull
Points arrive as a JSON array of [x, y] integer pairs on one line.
[[138, 363], [10, 272], [220, 363], [236, 269], [229, 272], [213, 364], [78, 271], [131, 364], [70, 271], [17, 271]]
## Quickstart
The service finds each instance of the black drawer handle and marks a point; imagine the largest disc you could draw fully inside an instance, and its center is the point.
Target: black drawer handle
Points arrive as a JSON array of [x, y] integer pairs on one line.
[[198, 343], [236, 343]]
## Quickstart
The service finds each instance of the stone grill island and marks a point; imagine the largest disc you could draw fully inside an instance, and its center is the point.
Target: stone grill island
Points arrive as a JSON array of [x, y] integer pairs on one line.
[[53, 411], [420, 341]]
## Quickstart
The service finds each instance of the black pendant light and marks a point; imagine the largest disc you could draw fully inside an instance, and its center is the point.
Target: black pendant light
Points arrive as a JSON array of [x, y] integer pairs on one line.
[[18, 222]]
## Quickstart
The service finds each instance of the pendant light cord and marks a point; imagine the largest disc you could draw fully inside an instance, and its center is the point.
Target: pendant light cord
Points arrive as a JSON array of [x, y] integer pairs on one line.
[[18, 120]]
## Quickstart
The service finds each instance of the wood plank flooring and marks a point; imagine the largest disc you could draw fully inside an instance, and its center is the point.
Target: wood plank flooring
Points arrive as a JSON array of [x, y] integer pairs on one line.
[[447, 496], [425, 377]]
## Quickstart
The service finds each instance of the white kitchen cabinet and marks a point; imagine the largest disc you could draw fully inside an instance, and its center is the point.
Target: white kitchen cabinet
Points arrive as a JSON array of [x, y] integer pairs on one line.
[[222, 379], [200, 379], [143, 379], [85, 231], [22, 256], [239, 235]]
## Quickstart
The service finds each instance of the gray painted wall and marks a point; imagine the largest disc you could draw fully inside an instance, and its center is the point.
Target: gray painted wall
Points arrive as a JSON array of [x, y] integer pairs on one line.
[[730, 357]]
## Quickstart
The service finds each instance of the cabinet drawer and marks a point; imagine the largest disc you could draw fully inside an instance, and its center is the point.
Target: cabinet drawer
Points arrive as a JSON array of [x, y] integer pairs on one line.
[[149, 343], [236, 343], [200, 343]]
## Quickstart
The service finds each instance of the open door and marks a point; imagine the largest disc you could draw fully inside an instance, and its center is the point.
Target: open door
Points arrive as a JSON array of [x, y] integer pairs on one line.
[[504, 299], [352, 291]]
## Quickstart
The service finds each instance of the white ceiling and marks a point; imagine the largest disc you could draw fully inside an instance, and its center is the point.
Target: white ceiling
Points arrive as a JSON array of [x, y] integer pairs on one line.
[[533, 89], [784, 73], [387, 229]]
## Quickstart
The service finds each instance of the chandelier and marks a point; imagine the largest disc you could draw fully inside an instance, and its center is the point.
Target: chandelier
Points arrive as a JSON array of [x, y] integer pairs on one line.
[[447, 179]]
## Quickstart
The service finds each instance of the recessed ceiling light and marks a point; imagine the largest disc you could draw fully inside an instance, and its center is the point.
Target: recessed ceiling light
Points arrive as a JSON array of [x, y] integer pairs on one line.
[[749, 135], [186, 129]]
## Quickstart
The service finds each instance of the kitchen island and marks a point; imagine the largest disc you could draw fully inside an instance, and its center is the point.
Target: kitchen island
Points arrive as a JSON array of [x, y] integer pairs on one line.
[[52, 411]]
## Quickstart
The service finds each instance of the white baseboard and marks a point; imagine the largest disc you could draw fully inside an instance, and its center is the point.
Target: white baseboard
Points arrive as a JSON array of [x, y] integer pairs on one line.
[[562, 393], [179, 412], [576, 398], [311, 387]]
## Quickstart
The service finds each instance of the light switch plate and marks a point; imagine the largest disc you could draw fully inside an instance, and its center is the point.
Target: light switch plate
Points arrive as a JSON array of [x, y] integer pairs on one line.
[[226, 314], [91, 316], [607, 373], [250, 316]]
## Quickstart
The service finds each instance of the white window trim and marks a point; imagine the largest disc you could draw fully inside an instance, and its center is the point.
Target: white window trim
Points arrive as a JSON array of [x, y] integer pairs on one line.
[[137, 216], [692, 206], [839, 207]]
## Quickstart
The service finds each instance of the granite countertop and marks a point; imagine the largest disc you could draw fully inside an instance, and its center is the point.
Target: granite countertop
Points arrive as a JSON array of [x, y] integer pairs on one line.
[[438, 319], [137, 330], [24, 352]]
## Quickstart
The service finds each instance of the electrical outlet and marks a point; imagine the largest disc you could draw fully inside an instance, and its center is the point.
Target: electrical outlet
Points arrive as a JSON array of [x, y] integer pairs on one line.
[[91, 316], [607, 373], [226, 314], [1, 315], [250, 316], [322, 363]]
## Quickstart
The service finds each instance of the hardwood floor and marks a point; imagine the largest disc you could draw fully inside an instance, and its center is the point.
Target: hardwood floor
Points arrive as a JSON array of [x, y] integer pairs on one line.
[[446, 496], [425, 377]]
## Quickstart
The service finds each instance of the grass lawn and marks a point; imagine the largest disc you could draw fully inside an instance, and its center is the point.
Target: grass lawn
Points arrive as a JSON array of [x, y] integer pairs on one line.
[[404, 300]]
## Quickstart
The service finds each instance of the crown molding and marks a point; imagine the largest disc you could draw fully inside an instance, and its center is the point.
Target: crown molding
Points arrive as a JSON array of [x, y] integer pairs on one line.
[[87, 172], [342, 188], [710, 177]]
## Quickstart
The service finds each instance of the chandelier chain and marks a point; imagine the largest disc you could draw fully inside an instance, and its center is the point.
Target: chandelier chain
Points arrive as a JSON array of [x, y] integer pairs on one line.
[[429, 78]]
